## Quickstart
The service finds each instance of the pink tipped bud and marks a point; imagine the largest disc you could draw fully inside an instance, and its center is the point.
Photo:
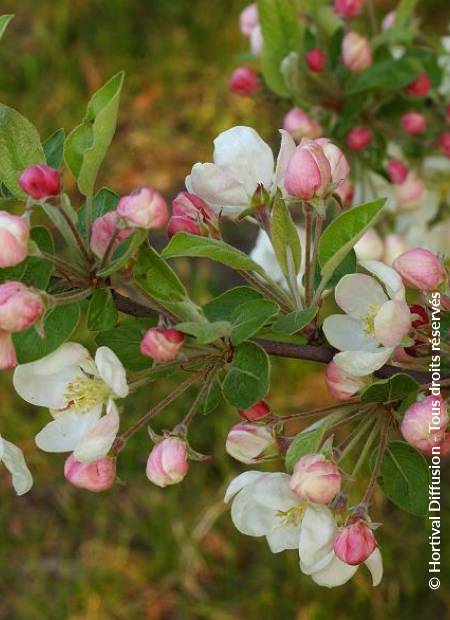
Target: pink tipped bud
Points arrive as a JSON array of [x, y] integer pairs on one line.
[[414, 123], [419, 87], [178, 223], [248, 442], [420, 269], [389, 21], [410, 193], [40, 181], [144, 208], [248, 19], [162, 344], [315, 479], [354, 543], [190, 214], [346, 192], [96, 476], [102, 231], [338, 162], [424, 423], [20, 307], [397, 171], [316, 60], [301, 125], [7, 351], [348, 8], [168, 462], [356, 52], [341, 385], [308, 173], [244, 82], [258, 411], [358, 138], [14, 236], [444, 143]]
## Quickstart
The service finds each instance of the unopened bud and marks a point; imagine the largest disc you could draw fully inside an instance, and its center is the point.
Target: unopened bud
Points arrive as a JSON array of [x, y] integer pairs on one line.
[[316, 60], [102, 231], [414, 123], [419, 87], [316, 479], [248, 442], [308, 173], [425, 422], [20, 307], [420, 269], [358, 138], [257, 412], [40, 181], [354, 543], [162, 344], [144, 208], [14, 236], [95, 476], [244, 82], [356, 52], [301, 125], [168, 462]]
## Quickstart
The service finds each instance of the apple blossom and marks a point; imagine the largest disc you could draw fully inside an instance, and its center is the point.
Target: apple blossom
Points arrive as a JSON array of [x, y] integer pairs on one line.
[[301, 125], [96, 476], [162, 344], [346, 192], [420, 269], [40, 181], [425, 422], [144, 208], [419, 87], [410, 193], [358, 138], [414, 123], [356, 52], [256, 412], [248, 19], [14, 236], [76, 389], [256, 41], [245, 82], [316, 479], [341, 385], [20, 307], [388, 21], [337, 160], [444, 143], [8, 357], [248, 442], [103, 230], [348, 8], [308, 174], [354, 543], [168, 462], [190, 214], [397, 171], [316, 60], [12, 458]]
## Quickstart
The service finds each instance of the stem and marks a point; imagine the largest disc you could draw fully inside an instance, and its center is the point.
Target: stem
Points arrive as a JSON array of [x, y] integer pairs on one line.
[[318, 231], [295, 416], [365, 424], [67, 298], [384, 435], [63, 264], [308, 273], [109, 248], [260, 286], [88, 215], [76, 234], [194, 407], [362, 457]]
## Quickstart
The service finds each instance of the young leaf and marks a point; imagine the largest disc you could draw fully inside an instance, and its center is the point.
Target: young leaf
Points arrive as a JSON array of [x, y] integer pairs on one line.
[[247, 376], [4, 21], [102, 311], [53, 148], [212, 397], [125, 341], [294, 321], [404, 11], [221, 308], [285, 237], [249, 317], [87, 144], [205, 333], [397, 387], [124, 252], [104, 201], [305, 442]]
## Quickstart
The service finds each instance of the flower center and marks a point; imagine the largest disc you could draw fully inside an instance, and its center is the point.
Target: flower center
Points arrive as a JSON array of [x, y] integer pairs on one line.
[[86, 392], [369, 319], [293, 516]]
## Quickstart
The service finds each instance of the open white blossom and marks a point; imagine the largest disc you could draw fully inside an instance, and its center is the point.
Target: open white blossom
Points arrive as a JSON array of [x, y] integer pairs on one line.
[[264, 254], [12, 458], [76, 389]]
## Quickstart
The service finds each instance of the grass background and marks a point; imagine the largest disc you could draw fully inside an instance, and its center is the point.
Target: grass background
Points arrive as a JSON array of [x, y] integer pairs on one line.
[[138, 552]]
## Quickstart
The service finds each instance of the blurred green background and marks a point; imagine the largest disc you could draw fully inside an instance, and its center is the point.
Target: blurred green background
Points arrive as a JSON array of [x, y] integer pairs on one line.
[[139, 552]]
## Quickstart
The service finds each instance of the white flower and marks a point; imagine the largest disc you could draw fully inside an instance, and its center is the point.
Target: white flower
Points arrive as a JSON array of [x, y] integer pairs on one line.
[[375, 321], [242, 161], [12, 458], [263, 254], [75, 389], [317, 557]]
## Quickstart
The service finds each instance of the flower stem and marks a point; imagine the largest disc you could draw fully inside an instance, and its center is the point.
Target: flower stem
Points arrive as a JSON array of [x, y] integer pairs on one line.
[[308, 273], [109, 249], [73, 229], [384, 436]]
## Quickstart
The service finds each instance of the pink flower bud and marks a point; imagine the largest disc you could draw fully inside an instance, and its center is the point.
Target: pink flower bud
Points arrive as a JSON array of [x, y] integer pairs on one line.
[[414, 123], [341, 385], [358, 138], [102, 231], [20, 307], [410, 193], [40, 181], [178, 223], [144, 208], [316, 60], [419, 87], [316, 479], [420, 269], [248, 442], [301, 125], [348, 8], [338, 162], [441, 447], [257, 412], [424, 423], [389, 21], [354, 543], [345, 191], [356, 52], [244, 82], [444, 143], [168, 462], [397, 171], [248, 19], [96, 476], [14, 236], [194, 207], [162, 344], [308, 173], [7, 351]]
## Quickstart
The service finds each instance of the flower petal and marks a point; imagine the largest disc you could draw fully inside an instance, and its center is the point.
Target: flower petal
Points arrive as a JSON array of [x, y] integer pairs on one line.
[[335, 574], [111, 370], [218, 188], [317, 532], [357, 294], [14, 461], [375, 564], [346, 334], [249, 517], [361, 363], [273, 492], [97, 441], [240, 482], [64, 433], [287, 149], [388, 276], [283, 537], [392, 323]]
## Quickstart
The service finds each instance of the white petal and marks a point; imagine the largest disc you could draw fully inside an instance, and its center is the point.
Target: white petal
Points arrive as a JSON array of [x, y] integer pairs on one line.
[[346, 334], [249, 517], [243, 152], [64, 433], [317, 532], [44, 382], [375, 564], [242, 481], [335, 574], [218, 188], [273, 491], [357, 294], [14, 461], [111, 370], [388, 276], [283, 537], [361, 363], [97, 442], [287, 149], [264, 255], [392, 323]]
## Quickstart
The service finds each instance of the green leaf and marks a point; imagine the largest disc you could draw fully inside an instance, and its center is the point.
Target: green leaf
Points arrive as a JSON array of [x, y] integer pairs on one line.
[[341, 235], [247, 376], [404, 477], [125, 341], [53, 148], [212, 397], [87, 144], [124, 252], [221, 308], [59, 325], [386, 75], [205, 333], [34, 270], [102, 311], [249, 317], [281, 31], [285, 238], [404, 11], [4, 21], [185, 244], [104, 201], [20, 147], [396, 387], [43, 239], [305, 442], [294, 321]]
